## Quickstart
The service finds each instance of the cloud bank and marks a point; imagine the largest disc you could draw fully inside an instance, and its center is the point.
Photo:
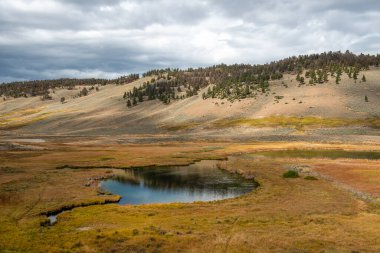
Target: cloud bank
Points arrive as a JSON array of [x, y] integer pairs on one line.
[[44, 39]]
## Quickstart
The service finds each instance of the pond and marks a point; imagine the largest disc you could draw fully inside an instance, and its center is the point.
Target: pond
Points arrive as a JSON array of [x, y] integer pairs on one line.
[[53, 218], [201, 181]]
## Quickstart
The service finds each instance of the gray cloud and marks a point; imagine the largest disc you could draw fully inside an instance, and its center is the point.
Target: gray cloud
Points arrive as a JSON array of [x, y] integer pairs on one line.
[[79, 38]]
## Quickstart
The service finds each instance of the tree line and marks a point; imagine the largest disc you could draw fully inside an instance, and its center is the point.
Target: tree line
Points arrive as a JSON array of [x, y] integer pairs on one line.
[[42, 87], [239, 81]]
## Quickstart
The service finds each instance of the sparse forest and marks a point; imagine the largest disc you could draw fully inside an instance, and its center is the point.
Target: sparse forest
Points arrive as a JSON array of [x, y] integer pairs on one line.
[[42, 87], [230, 82], [241, 81]]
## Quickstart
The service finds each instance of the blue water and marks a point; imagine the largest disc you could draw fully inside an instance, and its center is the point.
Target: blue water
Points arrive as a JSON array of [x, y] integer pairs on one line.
[[202, 181]]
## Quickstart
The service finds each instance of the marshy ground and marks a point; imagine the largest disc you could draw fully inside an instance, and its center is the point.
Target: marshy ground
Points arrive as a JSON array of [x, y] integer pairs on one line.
[[338, 212]]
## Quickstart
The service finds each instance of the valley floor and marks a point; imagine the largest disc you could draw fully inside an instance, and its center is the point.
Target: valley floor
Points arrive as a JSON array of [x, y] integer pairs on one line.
[[338, 212]]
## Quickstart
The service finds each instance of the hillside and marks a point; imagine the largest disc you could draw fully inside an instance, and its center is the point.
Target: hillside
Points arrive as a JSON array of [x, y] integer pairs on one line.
[[105, 112], [288, 107]]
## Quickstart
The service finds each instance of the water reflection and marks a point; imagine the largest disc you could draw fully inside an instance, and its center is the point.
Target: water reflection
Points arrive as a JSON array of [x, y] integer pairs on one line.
[[202, 181]]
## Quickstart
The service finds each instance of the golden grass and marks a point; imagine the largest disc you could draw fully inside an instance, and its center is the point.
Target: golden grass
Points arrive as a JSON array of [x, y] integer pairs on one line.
[[19, 118], [22, 112], [283, 215], [183, 126], [15, 123], [299, 123]]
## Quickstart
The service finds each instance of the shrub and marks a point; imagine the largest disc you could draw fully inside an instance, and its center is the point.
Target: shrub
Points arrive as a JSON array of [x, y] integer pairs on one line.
[[290, 174], [135, 231], [310, 178]]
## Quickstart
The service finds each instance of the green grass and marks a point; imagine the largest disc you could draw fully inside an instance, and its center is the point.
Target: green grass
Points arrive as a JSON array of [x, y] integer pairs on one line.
[[290, 174]]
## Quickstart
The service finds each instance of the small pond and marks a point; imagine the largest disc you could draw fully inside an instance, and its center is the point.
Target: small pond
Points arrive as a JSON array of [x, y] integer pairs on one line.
[[201, 181], [53, 218]]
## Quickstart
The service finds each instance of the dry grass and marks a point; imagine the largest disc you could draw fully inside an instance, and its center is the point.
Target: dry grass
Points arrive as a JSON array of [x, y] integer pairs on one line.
[[105, 112], [19, 118], [299, 123], [183, 126], [283, 215]]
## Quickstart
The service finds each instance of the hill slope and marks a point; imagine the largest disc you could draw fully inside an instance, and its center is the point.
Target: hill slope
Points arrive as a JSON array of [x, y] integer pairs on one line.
[[104, 112]]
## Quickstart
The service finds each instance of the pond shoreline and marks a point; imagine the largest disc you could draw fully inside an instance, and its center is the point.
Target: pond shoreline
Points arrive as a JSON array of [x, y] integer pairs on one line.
[[65, 208], [60, 210], [74, 167]]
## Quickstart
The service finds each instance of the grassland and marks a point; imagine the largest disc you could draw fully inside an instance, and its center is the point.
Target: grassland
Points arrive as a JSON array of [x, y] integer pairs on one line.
[[19, 118], [282, 215], [299, 123]]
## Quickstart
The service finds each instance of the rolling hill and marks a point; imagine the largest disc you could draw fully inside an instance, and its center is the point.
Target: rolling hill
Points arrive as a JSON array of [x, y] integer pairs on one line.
[[287, 109]]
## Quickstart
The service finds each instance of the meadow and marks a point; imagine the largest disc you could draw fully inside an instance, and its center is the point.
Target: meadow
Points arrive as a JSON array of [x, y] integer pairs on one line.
[[337, 212]]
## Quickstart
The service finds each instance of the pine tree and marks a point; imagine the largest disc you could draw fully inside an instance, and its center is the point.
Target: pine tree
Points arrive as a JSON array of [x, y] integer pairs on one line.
[[298, 77], [364, 79], [134, 102], [366, 98], [125, 95], [302, 80], [355, 76], [320, 76], [337, 79], [246, 91], [338, 75], [325, 77], [84, 92], [129, 103]]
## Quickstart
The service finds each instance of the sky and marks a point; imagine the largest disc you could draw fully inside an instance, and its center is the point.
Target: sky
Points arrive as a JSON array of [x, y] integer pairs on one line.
[[48, 39]]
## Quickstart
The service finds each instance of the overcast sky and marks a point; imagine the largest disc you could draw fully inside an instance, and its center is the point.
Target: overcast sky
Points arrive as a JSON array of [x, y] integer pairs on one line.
[[44, 39]]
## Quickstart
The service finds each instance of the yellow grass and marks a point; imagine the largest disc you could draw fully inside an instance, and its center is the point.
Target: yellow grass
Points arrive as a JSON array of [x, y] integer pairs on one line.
[[297, 122], [283, 215], [183, 126]]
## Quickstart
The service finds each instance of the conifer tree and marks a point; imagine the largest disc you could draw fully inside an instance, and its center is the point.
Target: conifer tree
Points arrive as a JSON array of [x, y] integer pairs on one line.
[[338, 76], [355, 75]]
